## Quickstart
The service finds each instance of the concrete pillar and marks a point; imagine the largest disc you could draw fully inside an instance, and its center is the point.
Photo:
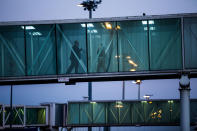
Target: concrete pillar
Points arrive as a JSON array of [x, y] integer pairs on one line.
[[185, 103]]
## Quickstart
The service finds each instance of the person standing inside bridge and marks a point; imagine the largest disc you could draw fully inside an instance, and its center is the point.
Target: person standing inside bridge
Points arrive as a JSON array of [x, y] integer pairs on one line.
[[74, 58]]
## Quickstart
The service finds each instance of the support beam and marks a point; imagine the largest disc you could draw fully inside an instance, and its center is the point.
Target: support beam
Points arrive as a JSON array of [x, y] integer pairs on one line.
[[11, 106], [89, 97], [185, 103]]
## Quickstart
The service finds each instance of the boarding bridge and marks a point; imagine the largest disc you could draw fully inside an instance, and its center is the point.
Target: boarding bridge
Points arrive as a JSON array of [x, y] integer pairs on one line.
[[96, 114], [143, 47], [127, 113]]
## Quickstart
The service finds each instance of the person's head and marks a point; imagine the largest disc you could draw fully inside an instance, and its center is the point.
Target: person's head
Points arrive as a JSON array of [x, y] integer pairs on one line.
[[76, 43]]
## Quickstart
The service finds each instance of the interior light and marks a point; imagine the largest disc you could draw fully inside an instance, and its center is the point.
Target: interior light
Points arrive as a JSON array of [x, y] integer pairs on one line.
[[95, 31], [83, 25], [132, 63], [28, 27], [144, 22], [92, 31], [118, 27], [93, 102], [132, 70], [117, 56], [152, 28], [128, 57], [151, 22], [146, 97], [143, 101], [90, 25], [36, 34], [108, 25], [119, 106]]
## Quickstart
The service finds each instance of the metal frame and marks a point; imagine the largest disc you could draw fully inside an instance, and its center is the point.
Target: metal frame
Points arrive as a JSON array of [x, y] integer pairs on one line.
[[14, 108], [24, 117], [98, 19], [46, 117], [88, 77]]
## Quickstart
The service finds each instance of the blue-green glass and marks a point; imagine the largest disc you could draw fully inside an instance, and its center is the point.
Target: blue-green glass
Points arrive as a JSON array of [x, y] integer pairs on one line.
[[190, 42], [86, 113], [157, 112], [165, 44], [35, 116], [175, 111], [18, 116], [71, 41], [99, 113], [113, 113], [40, 50], [132, 45], [124, 113], [193, 109], [102, 47], [12, 51], [73, 113]]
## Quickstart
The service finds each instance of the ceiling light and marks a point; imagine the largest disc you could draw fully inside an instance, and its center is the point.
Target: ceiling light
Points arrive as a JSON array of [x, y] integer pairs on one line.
[[108, 25], [28, 27], [36, 34]]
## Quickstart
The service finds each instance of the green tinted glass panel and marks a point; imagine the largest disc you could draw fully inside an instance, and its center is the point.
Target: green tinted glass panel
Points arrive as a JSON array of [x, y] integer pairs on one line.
[[165, 44], [86, 113], [99, 113], [175, 112], [102, 47], [71, 41], [132, 45], [35, 116], [40, 49], [156, 112], [73, 113], [124, 113], [12, 51], [113, 113], [137, 112], [18, 116], [193, 109], [190, 42]]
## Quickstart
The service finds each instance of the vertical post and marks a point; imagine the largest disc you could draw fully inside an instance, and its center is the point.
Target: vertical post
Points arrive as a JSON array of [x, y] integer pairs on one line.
[[138, 91], [11, 107], [89, 97], [90, 91], [90, 83], [90, 14], [185, 103], [123, 90]]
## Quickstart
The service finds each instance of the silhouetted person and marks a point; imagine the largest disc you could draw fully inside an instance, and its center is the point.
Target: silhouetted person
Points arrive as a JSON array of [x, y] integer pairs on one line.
[[74, 61], [101, 59]]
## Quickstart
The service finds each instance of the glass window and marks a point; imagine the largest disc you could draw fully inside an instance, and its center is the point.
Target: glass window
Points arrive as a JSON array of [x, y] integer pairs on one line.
[[165, 44], [99, 112], [12, 51], [190, 42], [102, 47], [40, 49], [71, 40], [73, 113], [132, 45]]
